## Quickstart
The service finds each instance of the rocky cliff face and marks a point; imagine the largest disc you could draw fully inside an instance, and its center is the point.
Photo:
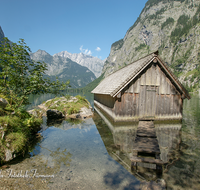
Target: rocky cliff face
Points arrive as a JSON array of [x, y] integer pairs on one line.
[[1, 34], [65, 69], [170, 26], [92, 63]]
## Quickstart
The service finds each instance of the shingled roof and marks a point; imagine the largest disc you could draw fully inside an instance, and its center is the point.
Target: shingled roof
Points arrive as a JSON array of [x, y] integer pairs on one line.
[[116, 81]]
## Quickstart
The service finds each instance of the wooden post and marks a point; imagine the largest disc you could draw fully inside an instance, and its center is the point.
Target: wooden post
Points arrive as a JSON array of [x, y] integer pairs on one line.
[[133, 166]]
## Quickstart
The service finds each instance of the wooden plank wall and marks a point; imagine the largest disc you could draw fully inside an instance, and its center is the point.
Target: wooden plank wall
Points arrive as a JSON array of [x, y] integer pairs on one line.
[[128, 105], [169, 101], [137, 99], [106, 100]]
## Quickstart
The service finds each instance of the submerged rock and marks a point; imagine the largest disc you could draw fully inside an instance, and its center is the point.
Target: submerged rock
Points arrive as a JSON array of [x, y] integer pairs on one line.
[[159, 185]]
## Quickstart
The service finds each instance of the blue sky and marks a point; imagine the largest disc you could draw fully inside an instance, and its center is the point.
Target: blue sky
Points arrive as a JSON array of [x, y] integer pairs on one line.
[[88, 26]]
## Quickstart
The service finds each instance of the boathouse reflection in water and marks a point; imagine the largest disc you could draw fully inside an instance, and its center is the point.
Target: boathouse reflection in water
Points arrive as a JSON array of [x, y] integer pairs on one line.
[[147, 157]]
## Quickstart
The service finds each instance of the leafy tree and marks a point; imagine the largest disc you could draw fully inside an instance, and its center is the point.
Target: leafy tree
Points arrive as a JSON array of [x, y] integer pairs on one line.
[[20, 76]]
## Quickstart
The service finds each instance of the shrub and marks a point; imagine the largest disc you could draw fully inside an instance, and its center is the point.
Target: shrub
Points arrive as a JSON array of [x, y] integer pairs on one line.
[[67, 96], [141, 46], [167, 22]]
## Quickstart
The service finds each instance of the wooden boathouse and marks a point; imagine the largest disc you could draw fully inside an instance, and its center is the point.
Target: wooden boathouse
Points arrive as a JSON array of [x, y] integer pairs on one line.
[[143, 90]]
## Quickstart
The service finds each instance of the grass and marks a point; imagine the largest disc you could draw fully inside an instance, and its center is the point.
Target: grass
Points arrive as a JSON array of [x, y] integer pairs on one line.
[[72, 110], [82, 100], [49, 103], [17, 141], [17, 129], [68, 107]]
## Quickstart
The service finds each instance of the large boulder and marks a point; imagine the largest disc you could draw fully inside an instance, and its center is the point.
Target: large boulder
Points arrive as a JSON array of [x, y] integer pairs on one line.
[[3, 103], [54, 114]]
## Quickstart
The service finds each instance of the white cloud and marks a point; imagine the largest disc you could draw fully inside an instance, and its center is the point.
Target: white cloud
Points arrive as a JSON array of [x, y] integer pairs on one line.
[[98, 49], [85, 51], [89, 52], [81, 48]]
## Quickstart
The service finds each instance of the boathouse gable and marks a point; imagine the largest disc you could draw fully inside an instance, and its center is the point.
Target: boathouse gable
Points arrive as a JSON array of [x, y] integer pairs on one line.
[[148, 91]]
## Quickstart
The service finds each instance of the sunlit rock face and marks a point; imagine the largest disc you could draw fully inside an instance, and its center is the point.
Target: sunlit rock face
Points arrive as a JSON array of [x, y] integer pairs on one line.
[[65, 69], [92, 63], [172, 27]]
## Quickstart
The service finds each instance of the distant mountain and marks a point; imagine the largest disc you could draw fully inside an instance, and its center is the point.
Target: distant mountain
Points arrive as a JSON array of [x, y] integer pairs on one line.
[[170, 26], [1, 34], [93, 63], [65, 69]]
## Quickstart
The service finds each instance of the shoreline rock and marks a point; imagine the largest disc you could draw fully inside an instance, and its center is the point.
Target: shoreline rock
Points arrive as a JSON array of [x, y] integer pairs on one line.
[[84, 114], [54, 113]]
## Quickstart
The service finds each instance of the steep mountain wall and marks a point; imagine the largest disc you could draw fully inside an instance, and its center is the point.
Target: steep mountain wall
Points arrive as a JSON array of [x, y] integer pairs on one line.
[[92, 63], [170, 26]]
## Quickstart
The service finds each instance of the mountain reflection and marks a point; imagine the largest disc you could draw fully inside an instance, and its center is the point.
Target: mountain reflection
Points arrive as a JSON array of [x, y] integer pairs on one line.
[[169, 139], [120, 140], [70, 123]]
